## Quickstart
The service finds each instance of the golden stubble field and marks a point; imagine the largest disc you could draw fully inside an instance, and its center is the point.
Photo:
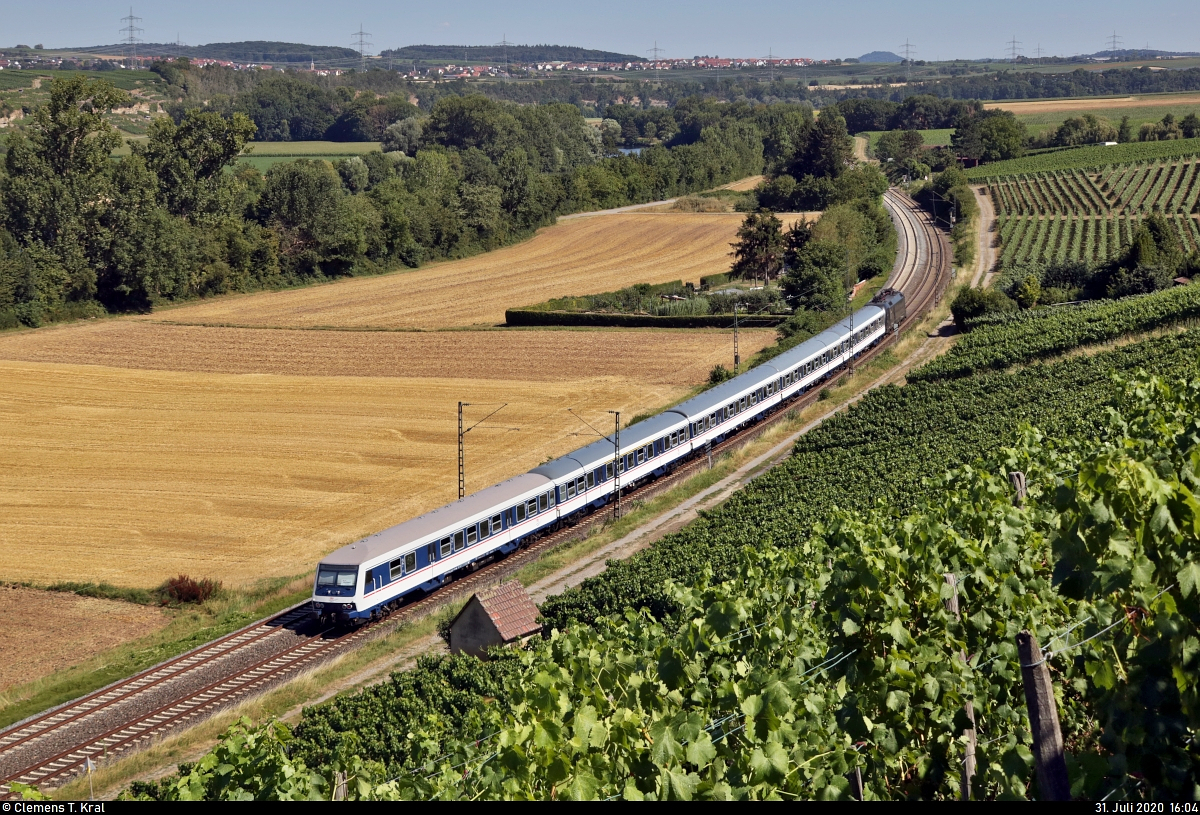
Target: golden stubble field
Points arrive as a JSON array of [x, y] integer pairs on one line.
[[584, 255], [1095, 103], [205, 440], [131, 475]]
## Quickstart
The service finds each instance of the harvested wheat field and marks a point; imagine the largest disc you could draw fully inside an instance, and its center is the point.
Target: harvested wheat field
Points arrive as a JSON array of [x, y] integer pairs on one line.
[[69, 629], [662, 357], [581, 256], [1095, 103], [301, 442]]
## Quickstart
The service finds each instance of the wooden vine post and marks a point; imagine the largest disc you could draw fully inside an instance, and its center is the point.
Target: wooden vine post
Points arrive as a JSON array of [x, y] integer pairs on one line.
[[968, 764], [1018, 481], [1043, 721], [339, 786]]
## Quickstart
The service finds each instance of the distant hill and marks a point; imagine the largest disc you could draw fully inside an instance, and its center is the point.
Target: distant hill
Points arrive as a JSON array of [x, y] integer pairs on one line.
[[256, 51], [1127, 54], [881, 56], [494, 53]]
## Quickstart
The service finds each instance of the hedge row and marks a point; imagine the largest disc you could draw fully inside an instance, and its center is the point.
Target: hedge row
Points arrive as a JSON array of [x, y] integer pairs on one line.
[[524, 317]]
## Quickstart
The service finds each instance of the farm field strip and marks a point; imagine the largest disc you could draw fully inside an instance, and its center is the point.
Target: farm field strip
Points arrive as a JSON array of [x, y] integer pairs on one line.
[[674, 357], [575, 257]]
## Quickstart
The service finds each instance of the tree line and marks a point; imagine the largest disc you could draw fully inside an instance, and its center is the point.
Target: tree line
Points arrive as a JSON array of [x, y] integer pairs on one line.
[[83, 234]]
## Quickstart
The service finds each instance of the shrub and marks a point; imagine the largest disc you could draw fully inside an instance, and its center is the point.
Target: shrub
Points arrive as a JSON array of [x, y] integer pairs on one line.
[[184, 589], [972, 303]]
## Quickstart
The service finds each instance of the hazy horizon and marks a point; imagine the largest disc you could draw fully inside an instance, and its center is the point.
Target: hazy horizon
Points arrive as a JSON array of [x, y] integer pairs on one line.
[[937, 31]]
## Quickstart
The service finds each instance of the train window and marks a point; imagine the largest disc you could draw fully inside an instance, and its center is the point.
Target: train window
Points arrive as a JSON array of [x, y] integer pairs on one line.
[[459, 541], [531, 506], [410, 563], [641, 455], [570, 490], [395, 569], [542, 503], [520, 510], [608, 470], [485, 530], [649, 451], [446, 546], [497, 523], [591, 480], [472, 535]]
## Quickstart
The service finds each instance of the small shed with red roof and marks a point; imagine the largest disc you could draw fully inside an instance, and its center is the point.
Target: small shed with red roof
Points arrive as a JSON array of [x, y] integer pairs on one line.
[[497, 616]]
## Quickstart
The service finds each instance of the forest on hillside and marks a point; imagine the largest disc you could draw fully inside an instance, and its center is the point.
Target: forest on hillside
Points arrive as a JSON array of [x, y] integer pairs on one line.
[[179, 218]]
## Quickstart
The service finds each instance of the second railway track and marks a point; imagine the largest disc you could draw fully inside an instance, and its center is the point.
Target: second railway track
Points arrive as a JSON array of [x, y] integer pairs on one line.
[[51, 748]]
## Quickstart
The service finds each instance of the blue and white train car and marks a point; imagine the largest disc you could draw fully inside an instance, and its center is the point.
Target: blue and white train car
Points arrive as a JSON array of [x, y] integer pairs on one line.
[[357, 581], [584, 479]]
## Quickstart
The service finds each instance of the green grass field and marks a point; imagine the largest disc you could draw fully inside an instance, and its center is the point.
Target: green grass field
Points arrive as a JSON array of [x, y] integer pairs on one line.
[[933, 138], [265, 155], [1038, 123], [311, 149]]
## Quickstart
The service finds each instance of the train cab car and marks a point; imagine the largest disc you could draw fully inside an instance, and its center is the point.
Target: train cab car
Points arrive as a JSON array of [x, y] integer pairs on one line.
[[373, 575]]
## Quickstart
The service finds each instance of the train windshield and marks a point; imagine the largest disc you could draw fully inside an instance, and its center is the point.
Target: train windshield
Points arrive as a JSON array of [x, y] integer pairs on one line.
[[336, 577]]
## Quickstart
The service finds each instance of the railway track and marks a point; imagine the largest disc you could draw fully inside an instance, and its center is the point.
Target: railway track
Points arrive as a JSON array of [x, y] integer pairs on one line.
[[52, 747]]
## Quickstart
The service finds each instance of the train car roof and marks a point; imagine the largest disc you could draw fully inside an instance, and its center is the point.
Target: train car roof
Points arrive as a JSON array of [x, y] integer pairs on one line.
[[445, 519], [560, 467], [726, 392], [814, 345], [632, 437]]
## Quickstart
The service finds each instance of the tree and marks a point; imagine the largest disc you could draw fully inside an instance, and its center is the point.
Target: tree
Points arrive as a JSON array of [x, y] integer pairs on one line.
[[992, 135], [58, 177], [1125, 131], [354, 173], [404, 136], [190, 160], [759, 248], [899, 145], [817, 281]]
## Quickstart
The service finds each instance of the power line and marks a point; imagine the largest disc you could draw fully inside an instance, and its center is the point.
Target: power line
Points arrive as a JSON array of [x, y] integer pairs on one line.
[[504, 43], [131, 32], [362, 44], [656, 52], [908, 54], [1114, 42], [1014, 47]]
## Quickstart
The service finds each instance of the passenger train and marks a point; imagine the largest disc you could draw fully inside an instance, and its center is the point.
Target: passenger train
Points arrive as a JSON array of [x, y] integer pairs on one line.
[[371, 576]]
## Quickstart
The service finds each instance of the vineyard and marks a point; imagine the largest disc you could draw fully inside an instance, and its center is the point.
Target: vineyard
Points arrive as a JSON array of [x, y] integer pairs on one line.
[[1162, 186], [997, 341], [1083, 158], [1073, 237], [831, 649], [1090, 215]]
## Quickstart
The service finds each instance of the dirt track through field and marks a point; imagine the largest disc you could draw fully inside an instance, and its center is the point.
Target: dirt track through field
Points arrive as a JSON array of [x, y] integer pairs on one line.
[[583, 256]]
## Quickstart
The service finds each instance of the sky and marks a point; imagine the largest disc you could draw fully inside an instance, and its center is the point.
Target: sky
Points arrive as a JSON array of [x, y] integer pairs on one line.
[[937, 30]]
